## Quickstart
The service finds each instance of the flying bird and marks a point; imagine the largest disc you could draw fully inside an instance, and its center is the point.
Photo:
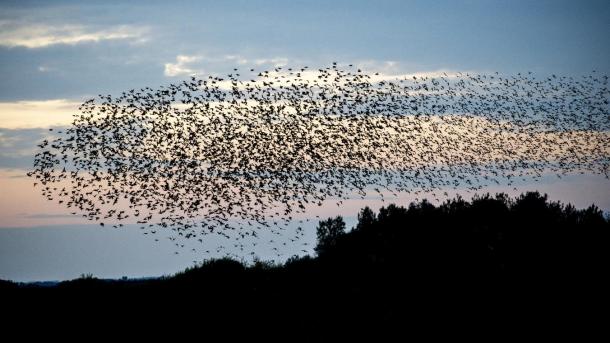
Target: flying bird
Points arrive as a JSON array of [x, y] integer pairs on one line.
[[222, 155]]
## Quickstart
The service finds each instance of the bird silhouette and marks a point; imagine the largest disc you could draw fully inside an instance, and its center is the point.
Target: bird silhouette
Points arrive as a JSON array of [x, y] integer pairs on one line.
[[221, 155]]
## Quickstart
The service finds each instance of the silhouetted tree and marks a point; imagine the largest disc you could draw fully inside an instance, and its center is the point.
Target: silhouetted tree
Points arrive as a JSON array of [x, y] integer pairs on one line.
[[328, 232], [366, 218], [485, 249]]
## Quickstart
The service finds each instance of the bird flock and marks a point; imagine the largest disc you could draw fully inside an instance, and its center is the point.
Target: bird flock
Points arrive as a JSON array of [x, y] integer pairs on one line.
[[253, 150]]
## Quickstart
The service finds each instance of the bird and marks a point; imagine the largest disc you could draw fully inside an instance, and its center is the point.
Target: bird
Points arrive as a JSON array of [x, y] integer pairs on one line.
[[228, 156]]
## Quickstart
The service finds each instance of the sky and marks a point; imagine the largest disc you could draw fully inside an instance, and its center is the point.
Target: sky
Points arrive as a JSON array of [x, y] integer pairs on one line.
[[54, 55]]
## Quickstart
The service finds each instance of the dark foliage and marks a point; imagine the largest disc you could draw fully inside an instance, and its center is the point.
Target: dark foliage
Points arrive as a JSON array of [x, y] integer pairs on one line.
[[491, 251]]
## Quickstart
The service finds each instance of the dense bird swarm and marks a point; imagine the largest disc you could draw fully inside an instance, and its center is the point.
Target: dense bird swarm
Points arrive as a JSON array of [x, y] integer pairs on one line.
[[248, 152]]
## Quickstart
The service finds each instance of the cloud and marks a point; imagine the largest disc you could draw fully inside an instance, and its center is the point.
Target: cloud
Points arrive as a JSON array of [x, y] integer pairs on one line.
[[23, 124], [18, 146], [34, 36], [183, 66], [37, 114], [237, 58], [186, 65], [395, 70], [276, 61]]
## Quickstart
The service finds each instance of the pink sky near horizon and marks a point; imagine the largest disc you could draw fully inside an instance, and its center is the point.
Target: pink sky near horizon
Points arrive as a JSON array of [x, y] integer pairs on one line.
[[22, 205]]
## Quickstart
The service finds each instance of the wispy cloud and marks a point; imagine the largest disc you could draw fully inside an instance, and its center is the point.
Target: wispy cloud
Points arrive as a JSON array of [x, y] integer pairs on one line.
[[18, 146], [37, 114], [196, 64], [235, 58], [34, 36], [182, 66], [275, 62], [395, 70]]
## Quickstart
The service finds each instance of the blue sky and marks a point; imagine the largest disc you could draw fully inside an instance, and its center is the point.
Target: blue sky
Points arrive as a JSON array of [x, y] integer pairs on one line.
[[54, 55], [506, 36]]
